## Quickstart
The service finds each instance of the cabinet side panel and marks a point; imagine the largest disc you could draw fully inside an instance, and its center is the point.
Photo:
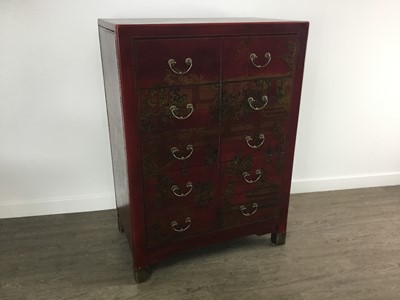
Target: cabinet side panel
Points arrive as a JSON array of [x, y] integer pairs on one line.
[[302, 33], [116, 127]]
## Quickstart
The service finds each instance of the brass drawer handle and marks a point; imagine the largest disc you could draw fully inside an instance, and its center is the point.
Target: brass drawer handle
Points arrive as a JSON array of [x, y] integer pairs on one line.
[[249, 138], [189, 148], [172, 63], [247, 174], [174, 109], [243, 210], [251, 100], [175, 188], [267, 56], [174, 225]]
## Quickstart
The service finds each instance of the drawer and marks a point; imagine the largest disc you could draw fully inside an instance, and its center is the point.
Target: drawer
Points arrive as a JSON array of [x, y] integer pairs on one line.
[[171, 62], [171, 109], [194, 187], [251, 212], [251, 101], [183, 149], [172, 225], [258, 56], [246, 178], [265, 137]]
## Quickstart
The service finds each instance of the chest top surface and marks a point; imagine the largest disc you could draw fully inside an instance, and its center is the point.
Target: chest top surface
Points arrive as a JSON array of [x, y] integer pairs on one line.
[[208, 26]]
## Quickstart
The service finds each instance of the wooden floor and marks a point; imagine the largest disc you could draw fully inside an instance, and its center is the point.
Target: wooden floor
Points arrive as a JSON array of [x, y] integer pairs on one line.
[[340, 245]]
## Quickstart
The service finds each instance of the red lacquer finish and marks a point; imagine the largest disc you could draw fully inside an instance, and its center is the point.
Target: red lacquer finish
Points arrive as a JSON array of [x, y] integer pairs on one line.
[[152, 57], [255, 139], [194, 187], [181, 150], [255, 101], [203, 117], [251, 212], [276, 52], [160, 226], [164, 110], [244, 175]]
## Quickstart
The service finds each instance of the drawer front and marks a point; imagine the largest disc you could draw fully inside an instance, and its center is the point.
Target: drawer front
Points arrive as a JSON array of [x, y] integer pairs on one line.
[[248, 178], [258, 56], [171, 62], [251, 212], [186, 148], [171, 109], [265, 137], [194, 187], [172, 225], [252, 101]]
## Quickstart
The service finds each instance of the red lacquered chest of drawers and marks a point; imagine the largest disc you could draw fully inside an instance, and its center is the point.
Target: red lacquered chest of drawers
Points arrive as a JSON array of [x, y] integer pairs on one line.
[[202, 117]]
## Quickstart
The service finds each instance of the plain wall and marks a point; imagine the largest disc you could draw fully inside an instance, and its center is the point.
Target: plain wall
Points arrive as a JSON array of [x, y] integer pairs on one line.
[[54, 146]]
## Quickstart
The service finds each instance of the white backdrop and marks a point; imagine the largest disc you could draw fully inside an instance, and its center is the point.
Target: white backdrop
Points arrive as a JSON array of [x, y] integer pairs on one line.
[[54, 148]]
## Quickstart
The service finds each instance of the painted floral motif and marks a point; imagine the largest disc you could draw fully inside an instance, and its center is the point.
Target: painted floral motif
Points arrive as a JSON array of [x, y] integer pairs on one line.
[[154, 107], [290, 57], [211, 156], [239, 164], [268, 184], [163, 193], [155, 104], [201, 194], [174, 80], [158, 158], [235, 105]]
